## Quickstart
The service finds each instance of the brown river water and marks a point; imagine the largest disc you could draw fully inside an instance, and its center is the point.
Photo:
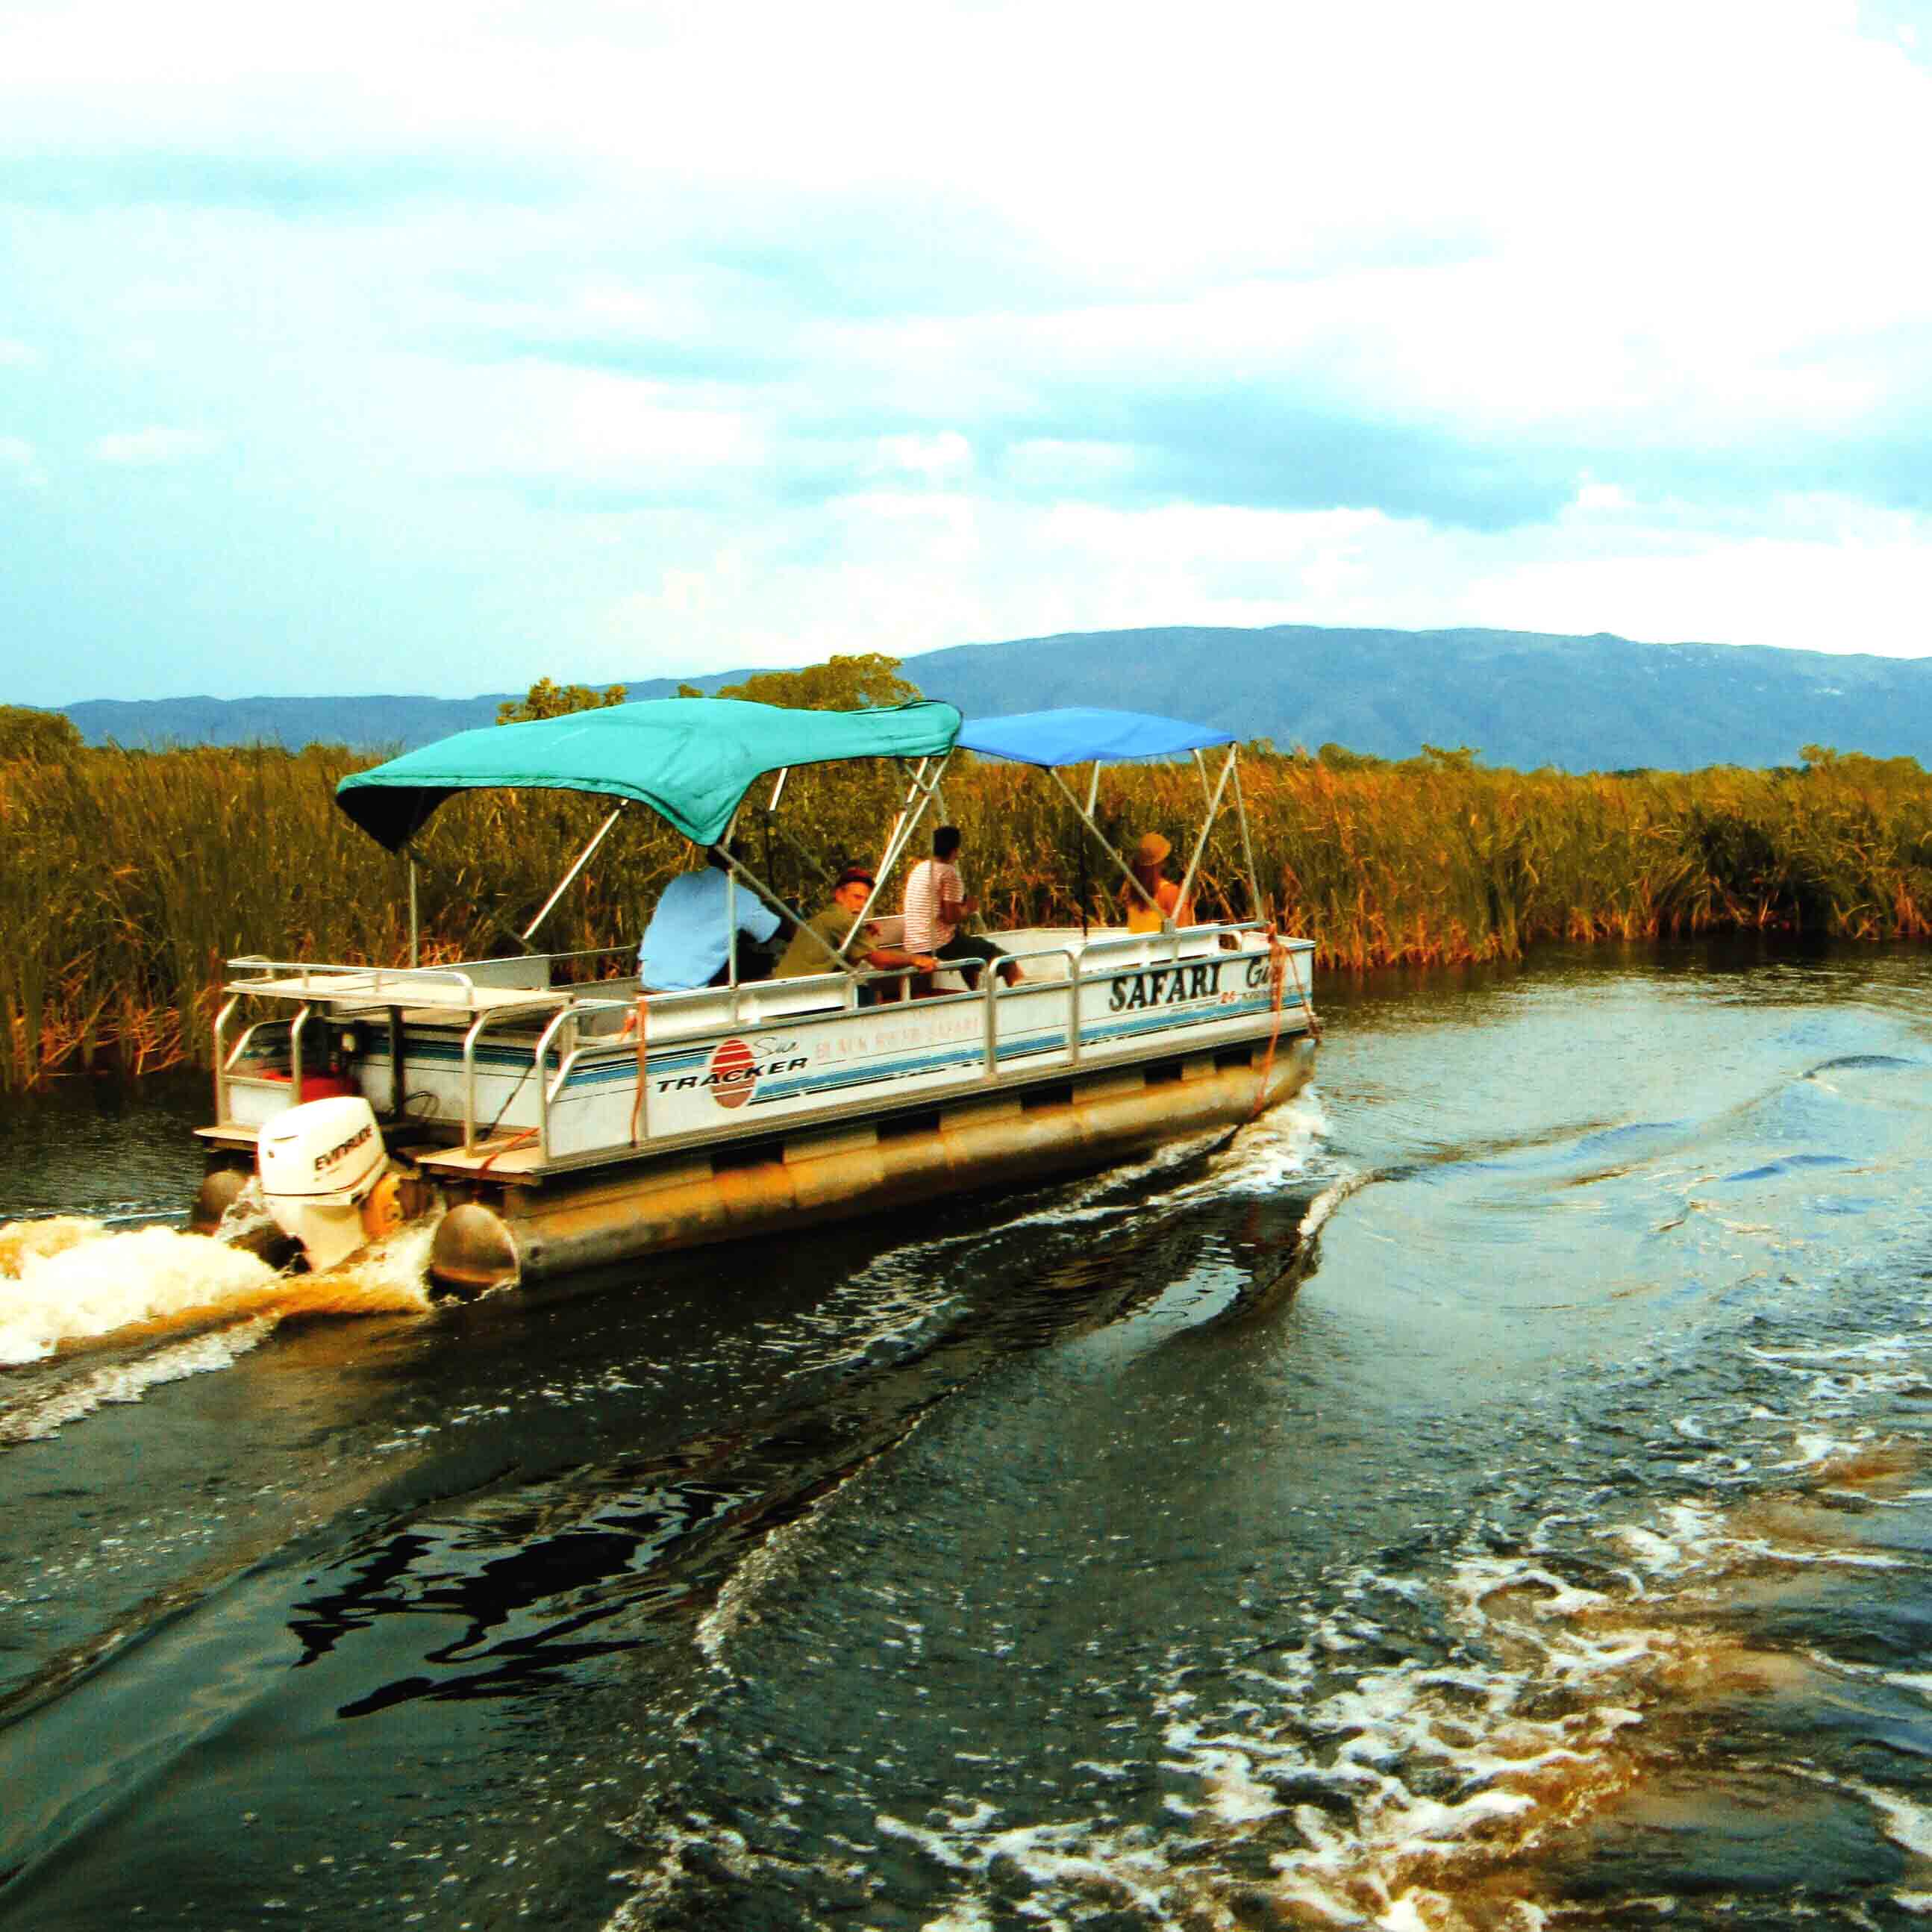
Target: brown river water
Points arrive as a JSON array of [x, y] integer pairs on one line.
[[1493, 1491]]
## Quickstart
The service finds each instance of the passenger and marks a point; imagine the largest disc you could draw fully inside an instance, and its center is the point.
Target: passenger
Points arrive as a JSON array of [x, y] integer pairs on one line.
[[935, 903], [805, 955], [1150, 856], [685, 944]]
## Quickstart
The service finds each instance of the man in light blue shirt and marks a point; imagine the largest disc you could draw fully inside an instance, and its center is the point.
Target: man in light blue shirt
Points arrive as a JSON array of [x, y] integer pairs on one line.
[[686, 944]]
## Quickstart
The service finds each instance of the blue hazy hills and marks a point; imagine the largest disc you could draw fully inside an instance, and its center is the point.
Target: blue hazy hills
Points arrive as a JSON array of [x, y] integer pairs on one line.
[[1519, 697]]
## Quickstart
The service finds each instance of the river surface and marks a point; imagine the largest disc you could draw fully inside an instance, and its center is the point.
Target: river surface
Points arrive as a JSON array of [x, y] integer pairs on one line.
[[1492, 1493]]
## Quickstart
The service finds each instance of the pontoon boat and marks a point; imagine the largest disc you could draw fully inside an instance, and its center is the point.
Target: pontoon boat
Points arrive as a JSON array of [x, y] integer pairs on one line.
[[545, 1137]]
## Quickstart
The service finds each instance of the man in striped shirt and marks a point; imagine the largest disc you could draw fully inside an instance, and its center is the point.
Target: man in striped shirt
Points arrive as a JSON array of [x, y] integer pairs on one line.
[[936, 902]]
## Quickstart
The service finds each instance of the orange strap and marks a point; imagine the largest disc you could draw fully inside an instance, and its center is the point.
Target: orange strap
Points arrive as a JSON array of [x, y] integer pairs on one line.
[[643, 1016], [510, 1146]]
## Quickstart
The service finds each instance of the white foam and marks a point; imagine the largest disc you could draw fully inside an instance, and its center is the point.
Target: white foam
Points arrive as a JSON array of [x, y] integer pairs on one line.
[[1271, 1150], [1321, 1209], [963, 1915], [1906, 1822], [76, 1281], [1814, 1446], [128, 1381], [1234, 1796], [395, 1269], [1689, 1533]]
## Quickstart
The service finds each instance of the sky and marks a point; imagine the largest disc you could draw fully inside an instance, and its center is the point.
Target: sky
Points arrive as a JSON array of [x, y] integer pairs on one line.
[[423, 347]]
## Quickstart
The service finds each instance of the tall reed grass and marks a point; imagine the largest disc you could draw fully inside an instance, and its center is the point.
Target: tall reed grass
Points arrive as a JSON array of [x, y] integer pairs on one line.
[[127, 877]]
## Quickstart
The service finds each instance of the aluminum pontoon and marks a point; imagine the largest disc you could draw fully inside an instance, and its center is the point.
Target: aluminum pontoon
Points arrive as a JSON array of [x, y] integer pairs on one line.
[[517, 1110]]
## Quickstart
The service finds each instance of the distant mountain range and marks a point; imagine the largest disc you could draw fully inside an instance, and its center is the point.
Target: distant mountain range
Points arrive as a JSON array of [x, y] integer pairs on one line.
[[1519, 697]]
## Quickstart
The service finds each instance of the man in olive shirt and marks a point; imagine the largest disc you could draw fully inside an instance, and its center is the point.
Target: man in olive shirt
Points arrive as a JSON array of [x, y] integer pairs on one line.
[[805, 955]]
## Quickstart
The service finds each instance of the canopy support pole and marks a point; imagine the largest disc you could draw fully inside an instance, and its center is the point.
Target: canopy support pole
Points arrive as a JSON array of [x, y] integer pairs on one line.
[[597, 838], [919, 797], [1207, 823], [1248, 851], [731, 910], [734, 872], [1087, 819], [416, 922], [771, 811]]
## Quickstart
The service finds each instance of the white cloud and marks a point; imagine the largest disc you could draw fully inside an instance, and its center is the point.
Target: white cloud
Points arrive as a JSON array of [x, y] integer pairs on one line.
[[1591, 495], [944, 458], [1859, 587], [147, 448], [20, 465], [1557, 247], [915, 572], [601, 429]]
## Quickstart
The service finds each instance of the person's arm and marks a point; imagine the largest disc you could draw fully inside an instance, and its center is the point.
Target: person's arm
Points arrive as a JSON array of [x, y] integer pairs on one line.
[[884, 958], [755, 917]]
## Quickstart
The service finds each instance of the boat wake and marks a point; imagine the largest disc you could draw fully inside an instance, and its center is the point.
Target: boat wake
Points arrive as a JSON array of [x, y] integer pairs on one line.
[[1468, 1792], [165, 1304]]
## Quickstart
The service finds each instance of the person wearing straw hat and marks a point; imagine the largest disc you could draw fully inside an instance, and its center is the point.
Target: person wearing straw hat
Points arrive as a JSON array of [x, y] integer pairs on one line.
[[1149, 858]]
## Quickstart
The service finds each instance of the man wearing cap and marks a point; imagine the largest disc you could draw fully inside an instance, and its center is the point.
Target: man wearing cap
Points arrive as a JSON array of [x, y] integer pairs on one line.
[[806, 955], [1150, 856]]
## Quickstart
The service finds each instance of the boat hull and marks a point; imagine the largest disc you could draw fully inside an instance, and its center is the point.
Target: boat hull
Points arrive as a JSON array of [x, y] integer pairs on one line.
[[521, 1233]]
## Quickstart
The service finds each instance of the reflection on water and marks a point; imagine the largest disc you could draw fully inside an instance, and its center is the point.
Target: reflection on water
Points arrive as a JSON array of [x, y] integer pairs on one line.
[[1490, 1494]]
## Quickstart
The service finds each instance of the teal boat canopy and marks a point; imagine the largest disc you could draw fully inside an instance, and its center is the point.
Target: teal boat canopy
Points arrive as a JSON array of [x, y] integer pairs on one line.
[[691, 760]]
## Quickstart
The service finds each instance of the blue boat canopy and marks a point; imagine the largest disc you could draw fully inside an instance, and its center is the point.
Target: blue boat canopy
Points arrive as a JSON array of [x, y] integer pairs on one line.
[[691, 760], [1081, 733]]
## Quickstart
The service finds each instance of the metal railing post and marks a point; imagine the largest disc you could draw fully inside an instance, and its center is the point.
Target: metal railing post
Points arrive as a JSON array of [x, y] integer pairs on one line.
[[221, 1020], [477, 1026], [544, 1039], [295, 1026]]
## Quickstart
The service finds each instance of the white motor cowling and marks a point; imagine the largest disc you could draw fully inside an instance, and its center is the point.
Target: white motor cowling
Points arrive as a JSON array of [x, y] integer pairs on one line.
[[319, 1164]]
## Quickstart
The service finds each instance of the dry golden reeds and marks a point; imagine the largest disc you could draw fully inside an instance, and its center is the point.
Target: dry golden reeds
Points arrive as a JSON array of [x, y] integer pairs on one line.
[[127, 877]]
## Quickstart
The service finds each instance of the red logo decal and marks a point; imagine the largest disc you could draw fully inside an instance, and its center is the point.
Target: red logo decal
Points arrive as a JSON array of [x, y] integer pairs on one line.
[[733, 1073]]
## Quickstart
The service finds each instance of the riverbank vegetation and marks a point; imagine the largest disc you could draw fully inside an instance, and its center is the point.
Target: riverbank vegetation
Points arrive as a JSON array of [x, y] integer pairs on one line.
[[127, 877]]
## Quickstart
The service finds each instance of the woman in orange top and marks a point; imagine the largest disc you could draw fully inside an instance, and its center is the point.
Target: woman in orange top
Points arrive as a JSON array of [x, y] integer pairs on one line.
[[1150, 856]]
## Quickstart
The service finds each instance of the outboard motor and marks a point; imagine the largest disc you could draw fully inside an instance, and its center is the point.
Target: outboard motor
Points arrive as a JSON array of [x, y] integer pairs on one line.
[[321, 1165]]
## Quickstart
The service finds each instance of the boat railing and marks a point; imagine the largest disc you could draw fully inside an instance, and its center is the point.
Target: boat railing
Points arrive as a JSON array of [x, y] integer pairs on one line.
[[318, 976], [548, 1093], [744, 1010], [479, 982], [478, 1027], [227, 1058], [1079, 959]]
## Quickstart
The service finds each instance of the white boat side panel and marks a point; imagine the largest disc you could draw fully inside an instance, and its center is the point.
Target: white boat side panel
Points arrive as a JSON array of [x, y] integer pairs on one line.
[[889, 1054]]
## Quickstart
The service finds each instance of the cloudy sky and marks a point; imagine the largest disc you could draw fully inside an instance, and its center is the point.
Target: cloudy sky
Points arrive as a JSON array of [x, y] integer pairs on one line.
[[426, 347]]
